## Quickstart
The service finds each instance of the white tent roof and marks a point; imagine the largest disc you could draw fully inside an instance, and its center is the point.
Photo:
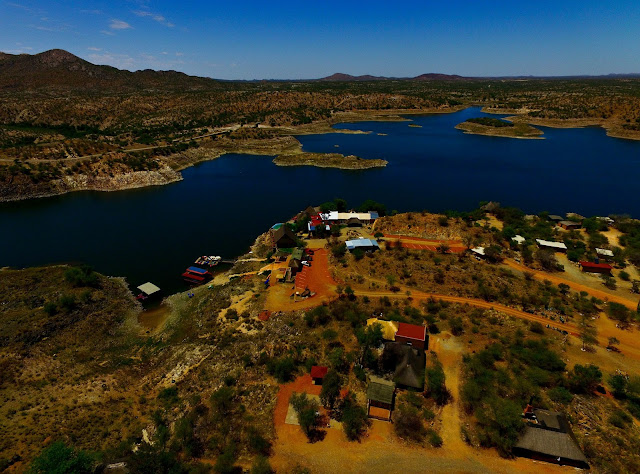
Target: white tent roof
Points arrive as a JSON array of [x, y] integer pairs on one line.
[[518, 238], [478, 250], [605, 252], [148, 288]]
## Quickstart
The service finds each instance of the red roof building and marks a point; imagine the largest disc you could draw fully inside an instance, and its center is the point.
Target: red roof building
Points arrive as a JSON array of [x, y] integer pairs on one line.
[[596, 267], [412, 334], [318, 373]]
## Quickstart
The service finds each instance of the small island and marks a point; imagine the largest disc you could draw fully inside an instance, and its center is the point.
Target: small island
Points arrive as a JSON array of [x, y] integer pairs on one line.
[[499, 128], [328, 160]]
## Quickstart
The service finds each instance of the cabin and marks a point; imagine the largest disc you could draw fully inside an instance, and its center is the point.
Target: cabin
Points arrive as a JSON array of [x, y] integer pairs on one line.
[[406, 363], [555, 218], [550, 245], [318, 374], [591, 267], [479, 252], [569, 225], [380, 395], [413, 335], [335, 217], [389, 328], [147, 290], [283, 237], [548, 437], [518, 239], [573, 216], [368, 245], [604, 253], [354, 222]]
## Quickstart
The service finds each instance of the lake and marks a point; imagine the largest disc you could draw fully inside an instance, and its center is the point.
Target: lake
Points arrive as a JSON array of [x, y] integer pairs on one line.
[[153, 234]]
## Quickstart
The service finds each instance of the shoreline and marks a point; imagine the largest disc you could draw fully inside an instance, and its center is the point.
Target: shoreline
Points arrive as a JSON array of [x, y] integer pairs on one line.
[[528, 132], [611, 128], [287, 150]]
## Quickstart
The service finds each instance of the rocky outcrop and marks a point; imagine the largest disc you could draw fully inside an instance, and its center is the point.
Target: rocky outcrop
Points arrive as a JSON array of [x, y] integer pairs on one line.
[[19, 189]]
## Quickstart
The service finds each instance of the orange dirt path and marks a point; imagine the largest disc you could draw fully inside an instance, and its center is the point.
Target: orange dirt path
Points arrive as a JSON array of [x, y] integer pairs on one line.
[[380, 451], [317, 278], [600, 294], [606, 328], [419, 243]]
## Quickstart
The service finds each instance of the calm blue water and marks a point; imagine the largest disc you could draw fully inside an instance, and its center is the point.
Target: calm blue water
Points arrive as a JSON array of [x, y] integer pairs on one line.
[[222, 205]]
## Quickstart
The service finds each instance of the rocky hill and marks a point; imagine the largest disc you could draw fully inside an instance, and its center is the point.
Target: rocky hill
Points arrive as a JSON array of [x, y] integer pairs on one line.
[[59, 69]]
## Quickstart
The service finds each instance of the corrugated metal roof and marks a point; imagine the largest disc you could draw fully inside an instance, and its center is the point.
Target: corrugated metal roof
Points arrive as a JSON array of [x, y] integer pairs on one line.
[[412, 331], [605, 252], [353, 244], [380, 390], [548, 243], [596, 265]]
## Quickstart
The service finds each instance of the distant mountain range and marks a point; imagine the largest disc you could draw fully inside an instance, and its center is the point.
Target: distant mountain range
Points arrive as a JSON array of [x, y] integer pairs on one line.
[[423, 77], [59, 69]]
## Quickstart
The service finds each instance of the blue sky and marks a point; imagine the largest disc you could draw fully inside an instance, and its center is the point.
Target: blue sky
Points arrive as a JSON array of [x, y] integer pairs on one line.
[[302, 39]]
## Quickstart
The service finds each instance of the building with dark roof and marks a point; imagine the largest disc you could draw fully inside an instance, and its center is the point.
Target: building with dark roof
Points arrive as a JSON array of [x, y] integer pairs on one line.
[[568, 225], [548, 437], [380, 395], [284, 237], [412, 334], [406, 363]]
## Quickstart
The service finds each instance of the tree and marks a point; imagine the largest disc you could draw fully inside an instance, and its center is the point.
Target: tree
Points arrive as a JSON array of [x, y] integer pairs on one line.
[[493, 254], [81, 276], [613, 342], [371, 205], [349, 292], [261, 466], [546, 259], [307, 411], [443, 248], [436, 387], [58, 458], [331, 386], [564, 288], [584, 379], [222, 401], [467, 240], [502, 423], [341, 204], [588, 333], [408, 424], [354, 418]]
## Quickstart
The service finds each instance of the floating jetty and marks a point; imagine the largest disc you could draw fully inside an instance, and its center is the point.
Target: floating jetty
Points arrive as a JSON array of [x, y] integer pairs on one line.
[[147, 290], [196, 275], [208, 260]]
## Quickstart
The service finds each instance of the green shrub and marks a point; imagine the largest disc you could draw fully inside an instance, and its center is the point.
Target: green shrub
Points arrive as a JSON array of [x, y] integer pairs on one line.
[[434, 439], [620, 419], [560, 395], [81, 276], [58, 458], [169, 395]]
